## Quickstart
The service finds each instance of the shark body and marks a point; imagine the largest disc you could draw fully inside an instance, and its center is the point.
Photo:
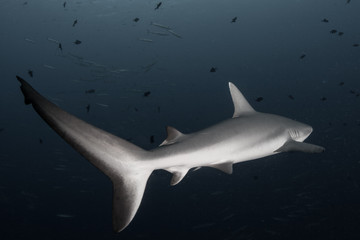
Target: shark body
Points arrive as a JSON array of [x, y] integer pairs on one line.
[[248, 135]]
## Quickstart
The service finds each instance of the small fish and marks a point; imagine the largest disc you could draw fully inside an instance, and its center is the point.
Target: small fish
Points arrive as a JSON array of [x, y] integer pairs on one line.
[[291, 97], [147, 93], [355, 45], [213, 69], [102, 105], [325, 20], [90, 91], [29, 40], [48, 66], [341, 84], [77, 42], [60, 47], [234, 19], [174, 33], [323, 99], [120, 70], [148, 67], [145, 40], [259, 99], [136, 19], [341, 33], [64, 4], [152, 139], [88, 108], [30, 72], [74, 23], [53, 40], [333, 31], [160, 25], [158, 33], [348, 1], [355, 93], [302, 56], [158, 5], [229, 216], [40, 141]]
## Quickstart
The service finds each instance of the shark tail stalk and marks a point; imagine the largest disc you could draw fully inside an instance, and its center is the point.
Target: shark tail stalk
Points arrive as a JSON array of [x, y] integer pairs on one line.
[[115, 157]]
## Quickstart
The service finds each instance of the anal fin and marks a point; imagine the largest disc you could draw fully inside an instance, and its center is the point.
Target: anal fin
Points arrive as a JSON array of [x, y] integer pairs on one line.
[[178, 175]]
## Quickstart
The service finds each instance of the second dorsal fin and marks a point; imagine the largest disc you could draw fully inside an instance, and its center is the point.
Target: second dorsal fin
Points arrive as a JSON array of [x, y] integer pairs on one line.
[[173, 136]]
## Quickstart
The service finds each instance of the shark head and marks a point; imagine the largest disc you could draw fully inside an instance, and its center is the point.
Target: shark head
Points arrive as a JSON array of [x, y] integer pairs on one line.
[[297, 131]]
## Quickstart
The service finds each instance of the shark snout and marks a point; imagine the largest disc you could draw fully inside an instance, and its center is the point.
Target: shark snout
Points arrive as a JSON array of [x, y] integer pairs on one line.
[[305, 133], [300, 132], [308, 131]]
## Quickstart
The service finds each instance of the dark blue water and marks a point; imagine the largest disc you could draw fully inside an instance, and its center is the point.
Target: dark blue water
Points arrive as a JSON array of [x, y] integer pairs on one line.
[[280, 52]]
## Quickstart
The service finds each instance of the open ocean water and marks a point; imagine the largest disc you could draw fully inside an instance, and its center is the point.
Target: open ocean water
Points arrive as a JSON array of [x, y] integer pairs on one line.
[[116, 65]]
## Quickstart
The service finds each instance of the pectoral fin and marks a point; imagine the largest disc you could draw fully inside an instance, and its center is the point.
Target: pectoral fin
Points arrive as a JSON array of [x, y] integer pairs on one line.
[[291, 146]]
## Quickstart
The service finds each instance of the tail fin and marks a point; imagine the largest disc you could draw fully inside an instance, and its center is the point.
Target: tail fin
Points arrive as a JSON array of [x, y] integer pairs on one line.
[[120, 160], [127, 195]]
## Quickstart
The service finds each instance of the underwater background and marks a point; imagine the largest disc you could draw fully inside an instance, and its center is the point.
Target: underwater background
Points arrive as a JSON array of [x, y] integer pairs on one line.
[[116, 65]]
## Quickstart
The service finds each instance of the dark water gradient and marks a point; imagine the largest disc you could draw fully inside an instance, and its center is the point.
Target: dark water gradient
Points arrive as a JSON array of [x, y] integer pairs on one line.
[[47, 191]]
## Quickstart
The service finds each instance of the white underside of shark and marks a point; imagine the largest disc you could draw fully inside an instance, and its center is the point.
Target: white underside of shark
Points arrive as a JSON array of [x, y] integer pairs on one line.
[[248, 135]]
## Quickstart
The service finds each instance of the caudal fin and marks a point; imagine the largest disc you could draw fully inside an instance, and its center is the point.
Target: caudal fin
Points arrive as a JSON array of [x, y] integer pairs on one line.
[[120, 160], [128, 191]]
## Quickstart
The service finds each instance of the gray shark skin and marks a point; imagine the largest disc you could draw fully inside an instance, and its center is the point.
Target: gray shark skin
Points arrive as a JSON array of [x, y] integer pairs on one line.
[[248, 135]]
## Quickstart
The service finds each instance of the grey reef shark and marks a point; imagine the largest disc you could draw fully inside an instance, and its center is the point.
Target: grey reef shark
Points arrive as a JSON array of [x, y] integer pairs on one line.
[[248, 135]]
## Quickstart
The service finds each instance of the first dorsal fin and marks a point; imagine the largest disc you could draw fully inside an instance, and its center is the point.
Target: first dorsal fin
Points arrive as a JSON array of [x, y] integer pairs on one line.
[[173, 136], [241, 105]]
